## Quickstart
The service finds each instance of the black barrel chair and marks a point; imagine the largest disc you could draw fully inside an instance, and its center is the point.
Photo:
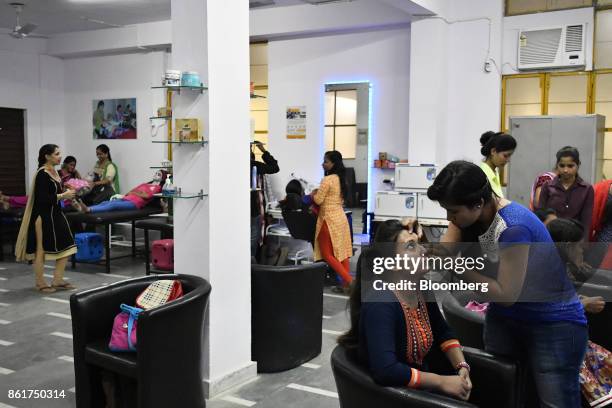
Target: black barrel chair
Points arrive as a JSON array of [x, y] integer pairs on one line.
[[167, 365], [600, 324], [496, 384], [301, 224], [467, 324], [287, 315]]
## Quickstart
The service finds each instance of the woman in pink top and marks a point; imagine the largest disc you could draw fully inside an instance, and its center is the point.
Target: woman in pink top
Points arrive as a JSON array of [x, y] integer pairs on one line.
[[136, 199]]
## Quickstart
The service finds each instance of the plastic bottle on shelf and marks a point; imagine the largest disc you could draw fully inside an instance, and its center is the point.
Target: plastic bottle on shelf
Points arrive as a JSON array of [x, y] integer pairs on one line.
[[168, 189]]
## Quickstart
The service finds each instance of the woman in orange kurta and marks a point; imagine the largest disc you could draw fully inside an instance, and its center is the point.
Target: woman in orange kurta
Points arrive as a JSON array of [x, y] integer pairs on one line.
[[333, 235]]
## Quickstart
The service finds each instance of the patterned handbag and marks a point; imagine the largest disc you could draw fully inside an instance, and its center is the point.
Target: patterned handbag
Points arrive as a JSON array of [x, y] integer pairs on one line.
[[159, 293]]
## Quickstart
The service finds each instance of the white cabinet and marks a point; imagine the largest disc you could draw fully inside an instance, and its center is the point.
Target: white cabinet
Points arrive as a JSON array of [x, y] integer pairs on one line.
[[414, 177], [395, 204], [429, 209]]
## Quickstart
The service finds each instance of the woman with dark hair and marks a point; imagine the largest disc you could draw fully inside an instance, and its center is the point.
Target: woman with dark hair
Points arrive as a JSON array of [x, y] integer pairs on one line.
[[497, 148], [66, 173], [595, 379], [397, 333], [68, 170], [296, 199], [333, 236], [105, 177], [535, 314], [45, 233], [567, 193], [136, 199]]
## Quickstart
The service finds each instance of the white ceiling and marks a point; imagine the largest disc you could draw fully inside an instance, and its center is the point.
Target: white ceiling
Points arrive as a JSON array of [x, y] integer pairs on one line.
[[60, 16]]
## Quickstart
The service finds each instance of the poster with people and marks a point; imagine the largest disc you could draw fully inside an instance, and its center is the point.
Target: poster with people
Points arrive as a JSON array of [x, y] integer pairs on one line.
[[114, 118]]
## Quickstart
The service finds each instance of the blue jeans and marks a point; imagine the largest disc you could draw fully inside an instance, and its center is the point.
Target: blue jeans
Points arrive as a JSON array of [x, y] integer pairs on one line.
[[554, 352], [114, 205]]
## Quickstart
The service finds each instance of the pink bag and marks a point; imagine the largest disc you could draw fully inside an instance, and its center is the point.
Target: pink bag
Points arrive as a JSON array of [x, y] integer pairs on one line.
[[123, 336], [76, 184], [480, 308]]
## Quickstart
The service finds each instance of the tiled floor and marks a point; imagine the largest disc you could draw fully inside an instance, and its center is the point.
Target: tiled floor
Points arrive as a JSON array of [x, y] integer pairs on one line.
[[36, 346]]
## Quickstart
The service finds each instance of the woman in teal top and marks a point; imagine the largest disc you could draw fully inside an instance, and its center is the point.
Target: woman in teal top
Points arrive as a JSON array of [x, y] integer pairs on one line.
[[497, 149], [105, 171], [105, 181]]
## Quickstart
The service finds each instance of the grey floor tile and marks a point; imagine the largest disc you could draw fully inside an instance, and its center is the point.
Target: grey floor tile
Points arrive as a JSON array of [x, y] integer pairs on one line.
[[35, 362]]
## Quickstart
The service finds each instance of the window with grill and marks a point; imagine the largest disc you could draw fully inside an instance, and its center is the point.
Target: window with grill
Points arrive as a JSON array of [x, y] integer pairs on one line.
[[341, 122]]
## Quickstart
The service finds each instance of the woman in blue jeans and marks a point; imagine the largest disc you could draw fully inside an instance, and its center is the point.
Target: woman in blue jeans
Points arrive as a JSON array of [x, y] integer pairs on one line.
[[535, 315], [137, 198]]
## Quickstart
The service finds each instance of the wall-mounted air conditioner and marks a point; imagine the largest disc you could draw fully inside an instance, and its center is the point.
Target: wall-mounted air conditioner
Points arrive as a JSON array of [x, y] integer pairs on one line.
[[559, 47]]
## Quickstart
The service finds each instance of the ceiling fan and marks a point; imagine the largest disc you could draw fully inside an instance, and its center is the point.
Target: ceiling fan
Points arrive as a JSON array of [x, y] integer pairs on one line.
[[24, 31]]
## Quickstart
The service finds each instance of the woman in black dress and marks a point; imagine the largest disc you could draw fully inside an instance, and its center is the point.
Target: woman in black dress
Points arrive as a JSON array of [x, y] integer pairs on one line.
[[45, 233]]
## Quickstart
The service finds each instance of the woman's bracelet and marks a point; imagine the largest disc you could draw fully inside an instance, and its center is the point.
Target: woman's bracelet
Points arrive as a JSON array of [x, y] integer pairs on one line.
[[461, 365]]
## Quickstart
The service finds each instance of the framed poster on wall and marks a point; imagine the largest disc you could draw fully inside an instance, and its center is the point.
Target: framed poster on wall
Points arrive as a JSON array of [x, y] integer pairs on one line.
[[296, 122], [114, 118]]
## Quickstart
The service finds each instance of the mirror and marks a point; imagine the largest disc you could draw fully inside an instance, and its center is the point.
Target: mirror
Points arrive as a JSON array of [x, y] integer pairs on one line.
[[346, 129]]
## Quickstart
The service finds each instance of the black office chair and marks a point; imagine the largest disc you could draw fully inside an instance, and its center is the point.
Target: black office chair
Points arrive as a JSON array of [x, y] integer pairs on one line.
[[496, 384], [287, 315], [166, 367], [351, 193]]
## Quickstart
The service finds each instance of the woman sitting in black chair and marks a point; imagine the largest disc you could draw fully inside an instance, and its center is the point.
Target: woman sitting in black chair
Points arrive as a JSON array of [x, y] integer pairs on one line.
[[395, 331], [296, 199]]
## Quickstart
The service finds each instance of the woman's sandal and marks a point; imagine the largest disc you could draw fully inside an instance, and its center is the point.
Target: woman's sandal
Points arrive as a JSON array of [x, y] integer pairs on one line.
[[63, 286], [45, 289]]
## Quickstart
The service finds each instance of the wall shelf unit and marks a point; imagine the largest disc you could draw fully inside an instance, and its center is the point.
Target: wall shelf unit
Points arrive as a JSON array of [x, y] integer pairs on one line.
[[183, 195], [178, 89], [179, 142]]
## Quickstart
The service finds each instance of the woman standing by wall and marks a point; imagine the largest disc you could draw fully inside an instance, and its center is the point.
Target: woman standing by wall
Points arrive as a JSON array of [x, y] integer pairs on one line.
[[333, 236], [45, 233], [497, 148]]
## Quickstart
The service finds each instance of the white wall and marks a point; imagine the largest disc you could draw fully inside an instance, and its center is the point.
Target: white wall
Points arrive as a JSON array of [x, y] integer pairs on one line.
[[119, 76], [453, 101], [513, 24], [603, 46], [298, 71], [35, 83]]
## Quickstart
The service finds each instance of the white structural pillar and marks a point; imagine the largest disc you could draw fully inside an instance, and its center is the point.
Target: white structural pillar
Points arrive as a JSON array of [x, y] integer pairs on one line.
[[212, 235]]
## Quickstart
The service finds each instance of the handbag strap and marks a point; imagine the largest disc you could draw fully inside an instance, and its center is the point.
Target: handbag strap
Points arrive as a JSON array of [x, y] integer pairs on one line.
[[129, 332], [133, 312]]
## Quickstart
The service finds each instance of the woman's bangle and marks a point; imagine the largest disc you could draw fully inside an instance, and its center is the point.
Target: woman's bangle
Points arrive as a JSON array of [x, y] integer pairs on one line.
[[461, 365]]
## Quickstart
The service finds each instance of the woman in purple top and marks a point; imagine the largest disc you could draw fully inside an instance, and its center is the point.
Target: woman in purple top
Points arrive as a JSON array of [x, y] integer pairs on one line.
[[567, 193], [536, 315]]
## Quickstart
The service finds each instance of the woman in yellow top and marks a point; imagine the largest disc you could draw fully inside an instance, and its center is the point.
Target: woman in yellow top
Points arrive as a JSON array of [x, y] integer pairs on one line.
[[333, 235], [497, 149]]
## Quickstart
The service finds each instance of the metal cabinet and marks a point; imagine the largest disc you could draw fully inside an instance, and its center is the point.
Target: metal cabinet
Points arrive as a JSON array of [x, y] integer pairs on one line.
[[414, 177], [429, 209], [538, 140], [396, 204]]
